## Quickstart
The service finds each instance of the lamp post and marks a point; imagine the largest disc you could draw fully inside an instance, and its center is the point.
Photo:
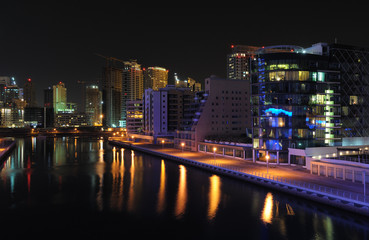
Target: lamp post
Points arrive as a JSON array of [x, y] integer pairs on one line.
[[214, 149], [162, 143], [267, 159], [182, 145]]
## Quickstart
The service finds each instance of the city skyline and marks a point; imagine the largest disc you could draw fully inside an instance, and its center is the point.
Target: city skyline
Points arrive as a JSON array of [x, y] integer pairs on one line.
[[58, 42]]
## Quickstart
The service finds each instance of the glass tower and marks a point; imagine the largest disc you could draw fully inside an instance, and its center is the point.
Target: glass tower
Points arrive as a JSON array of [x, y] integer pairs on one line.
[[295, 102]]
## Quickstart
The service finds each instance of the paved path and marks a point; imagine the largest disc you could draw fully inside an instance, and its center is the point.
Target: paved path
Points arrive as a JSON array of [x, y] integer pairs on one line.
[[293, 173]]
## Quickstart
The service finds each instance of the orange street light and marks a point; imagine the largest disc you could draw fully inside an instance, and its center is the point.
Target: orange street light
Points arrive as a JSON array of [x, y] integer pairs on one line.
[[162, 143], [267, 159], [182, 144], [214, 149]]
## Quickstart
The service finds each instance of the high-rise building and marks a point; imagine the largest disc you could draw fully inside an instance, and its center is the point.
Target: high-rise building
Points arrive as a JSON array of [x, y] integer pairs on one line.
[[29, 93], [59, 97], [155, 78], [112, 92], [353, 63], [122, 82], [195, 86], [12, 103], [295, 101], [48, 97], [132, 86], [238, 61], [223, 110], [135, 122], [164, 109], [93, 107]]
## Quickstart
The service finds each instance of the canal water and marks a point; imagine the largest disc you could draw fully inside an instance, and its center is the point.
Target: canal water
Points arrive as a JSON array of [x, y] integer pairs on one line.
[[80, 188]]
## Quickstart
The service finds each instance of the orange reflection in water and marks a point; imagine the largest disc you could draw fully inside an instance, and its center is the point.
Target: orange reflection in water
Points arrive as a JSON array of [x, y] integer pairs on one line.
[[117, 173], [214, 196], [161, 193], [131, 196], [267, 213], [181, 202]]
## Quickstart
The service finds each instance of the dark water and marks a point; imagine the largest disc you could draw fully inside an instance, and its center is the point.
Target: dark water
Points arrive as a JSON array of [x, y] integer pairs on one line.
[[75, 188]]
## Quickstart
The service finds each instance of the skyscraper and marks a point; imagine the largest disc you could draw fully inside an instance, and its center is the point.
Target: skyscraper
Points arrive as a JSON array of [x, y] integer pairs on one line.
[[59, 97], [93, 105], [238, 62], [155, 78], [112, 92], [29, 93], [132, 86], [48, 97]]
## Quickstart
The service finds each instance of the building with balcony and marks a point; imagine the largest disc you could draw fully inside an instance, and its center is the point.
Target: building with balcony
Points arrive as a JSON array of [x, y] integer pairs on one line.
[[164, 110], [135, 120], [223, 113]]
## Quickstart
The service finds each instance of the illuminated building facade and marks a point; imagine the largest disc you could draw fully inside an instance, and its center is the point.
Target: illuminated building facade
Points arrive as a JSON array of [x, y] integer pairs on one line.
[[295, 101], [238, 62], [187, 83], [93, 99], [70, 120], [12, 103], [135, 116], [132, 86], [59, 97], [164, 110], [155, 78]]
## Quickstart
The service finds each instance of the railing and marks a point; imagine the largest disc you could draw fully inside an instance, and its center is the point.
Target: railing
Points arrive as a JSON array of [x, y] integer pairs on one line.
[[319, 189]]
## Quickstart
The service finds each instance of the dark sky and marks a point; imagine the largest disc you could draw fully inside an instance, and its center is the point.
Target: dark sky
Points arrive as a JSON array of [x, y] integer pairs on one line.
[[56, 41]]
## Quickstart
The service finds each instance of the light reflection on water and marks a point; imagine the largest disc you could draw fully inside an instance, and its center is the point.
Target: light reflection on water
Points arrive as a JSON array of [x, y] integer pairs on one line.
[[181, 200], [267, 213], [90, 174], [214, 196]]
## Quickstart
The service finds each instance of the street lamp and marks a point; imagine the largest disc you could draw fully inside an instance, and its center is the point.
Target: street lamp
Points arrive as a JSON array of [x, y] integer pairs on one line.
[[267, 159], [162, 143], [214, 149], [182, 145]]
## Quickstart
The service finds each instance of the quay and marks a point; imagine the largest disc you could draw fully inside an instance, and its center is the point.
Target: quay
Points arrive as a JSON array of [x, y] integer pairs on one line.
[[295, 180]]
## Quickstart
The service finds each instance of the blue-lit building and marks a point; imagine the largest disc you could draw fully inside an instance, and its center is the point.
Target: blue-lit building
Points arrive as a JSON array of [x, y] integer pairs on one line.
[[295, 101]]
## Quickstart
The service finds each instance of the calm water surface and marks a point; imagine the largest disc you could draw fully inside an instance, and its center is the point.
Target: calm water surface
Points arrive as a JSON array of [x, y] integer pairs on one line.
[[81, 188]]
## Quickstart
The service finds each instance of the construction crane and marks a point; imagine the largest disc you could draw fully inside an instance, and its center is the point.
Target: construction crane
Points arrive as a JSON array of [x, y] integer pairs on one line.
[[109, 59]]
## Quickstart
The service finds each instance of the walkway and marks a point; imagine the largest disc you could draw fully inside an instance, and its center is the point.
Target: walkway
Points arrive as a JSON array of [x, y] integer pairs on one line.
[[296, 173], [290, 176]]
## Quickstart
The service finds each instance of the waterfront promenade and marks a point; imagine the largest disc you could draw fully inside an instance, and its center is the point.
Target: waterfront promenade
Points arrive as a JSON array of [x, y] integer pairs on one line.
[[295, 180]]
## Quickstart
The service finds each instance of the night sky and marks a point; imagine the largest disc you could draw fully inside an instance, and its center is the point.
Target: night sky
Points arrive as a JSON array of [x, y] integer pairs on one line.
[[56, 41]]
